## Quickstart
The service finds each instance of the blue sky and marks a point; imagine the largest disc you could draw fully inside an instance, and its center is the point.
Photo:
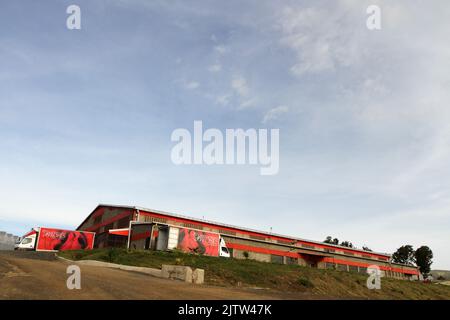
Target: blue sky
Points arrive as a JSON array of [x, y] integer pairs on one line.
[[86, 115]]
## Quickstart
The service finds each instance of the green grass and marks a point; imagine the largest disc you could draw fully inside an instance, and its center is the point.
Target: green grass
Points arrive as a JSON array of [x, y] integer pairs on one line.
[[286, 278]]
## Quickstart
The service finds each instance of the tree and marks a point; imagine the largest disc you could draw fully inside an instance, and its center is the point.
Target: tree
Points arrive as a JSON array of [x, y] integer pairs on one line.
[[347, 244], [423, 257], [366, 249], [330, 240], [404, 255]]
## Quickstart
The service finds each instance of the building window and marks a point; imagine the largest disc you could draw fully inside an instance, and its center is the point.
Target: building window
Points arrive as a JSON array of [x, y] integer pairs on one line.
[[342, 267], [160, 220], [193, 226], [353, 268], [123, 223], [257, 237], [276, 259], [144, 218], [100, 240], [330, 266], [223, 231], [117, 241], [291, 260], [308, 246]]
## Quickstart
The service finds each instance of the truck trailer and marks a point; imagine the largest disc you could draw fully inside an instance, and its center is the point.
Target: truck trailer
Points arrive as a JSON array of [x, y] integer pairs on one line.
[[50, 239], [153, 236]]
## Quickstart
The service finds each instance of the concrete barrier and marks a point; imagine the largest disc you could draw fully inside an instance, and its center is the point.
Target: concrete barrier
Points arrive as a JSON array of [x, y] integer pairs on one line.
[[198, 276], [95, 263], [183, 273], [175, 272]]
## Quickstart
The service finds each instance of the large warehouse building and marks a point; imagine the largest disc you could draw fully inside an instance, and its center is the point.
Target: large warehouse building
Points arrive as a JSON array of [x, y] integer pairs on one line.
[[105, 220]]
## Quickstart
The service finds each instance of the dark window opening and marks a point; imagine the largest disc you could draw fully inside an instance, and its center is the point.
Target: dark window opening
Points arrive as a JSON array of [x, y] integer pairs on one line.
[[276, 259]]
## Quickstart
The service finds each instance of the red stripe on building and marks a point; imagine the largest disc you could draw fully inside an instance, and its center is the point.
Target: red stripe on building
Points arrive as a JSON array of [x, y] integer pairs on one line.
[[322, 259], [365, 265], [112, 220], [262, 250], [293, 241]]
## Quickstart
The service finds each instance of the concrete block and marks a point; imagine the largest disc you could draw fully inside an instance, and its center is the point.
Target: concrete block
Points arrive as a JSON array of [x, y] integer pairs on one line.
[[198, 276], [94, 263], [176, 272]]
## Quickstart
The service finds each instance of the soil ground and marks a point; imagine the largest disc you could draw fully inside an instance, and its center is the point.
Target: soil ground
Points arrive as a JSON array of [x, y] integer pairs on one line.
[[34, 277]]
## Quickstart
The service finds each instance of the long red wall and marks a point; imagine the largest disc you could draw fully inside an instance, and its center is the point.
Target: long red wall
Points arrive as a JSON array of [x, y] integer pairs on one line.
[[284, 239]]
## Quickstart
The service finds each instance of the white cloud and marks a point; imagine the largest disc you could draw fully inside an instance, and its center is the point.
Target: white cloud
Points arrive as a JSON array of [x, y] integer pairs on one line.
[[248, 103], [221, 49], [192, 85], [321, 38], [215, 67], [223, 99], [274, 113], [239, 84]]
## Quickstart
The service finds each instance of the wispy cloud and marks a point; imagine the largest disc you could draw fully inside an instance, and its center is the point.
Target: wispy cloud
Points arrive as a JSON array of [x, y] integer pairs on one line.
[[274, 113], [239, 84], [191, 85], [215, 67], [221, 49]]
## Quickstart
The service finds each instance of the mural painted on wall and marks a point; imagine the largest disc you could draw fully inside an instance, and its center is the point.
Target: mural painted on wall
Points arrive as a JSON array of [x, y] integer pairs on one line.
[[200, 242]]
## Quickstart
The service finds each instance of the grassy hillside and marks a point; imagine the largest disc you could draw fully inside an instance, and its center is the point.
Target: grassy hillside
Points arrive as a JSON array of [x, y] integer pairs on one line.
[[286, 278]]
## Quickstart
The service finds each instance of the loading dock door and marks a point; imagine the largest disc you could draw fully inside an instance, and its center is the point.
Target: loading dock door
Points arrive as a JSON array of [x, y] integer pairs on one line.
[[140, 236], [162, 238]]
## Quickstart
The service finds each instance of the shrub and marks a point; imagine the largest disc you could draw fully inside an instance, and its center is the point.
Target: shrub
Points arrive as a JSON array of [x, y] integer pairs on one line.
[[77, 255], [112, 254], [305, 282]]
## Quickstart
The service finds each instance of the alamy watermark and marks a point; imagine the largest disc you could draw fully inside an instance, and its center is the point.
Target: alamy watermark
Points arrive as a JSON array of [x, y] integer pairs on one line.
[[73, 21], [74, 280], [374, 279], [239, 146], [373, 21]]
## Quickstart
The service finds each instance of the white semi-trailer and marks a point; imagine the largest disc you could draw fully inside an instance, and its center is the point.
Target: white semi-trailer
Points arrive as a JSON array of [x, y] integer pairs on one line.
[[50, 239]]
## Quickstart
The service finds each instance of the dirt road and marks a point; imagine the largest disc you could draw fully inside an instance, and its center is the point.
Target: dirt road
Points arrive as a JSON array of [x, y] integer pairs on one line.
[[25, 278]]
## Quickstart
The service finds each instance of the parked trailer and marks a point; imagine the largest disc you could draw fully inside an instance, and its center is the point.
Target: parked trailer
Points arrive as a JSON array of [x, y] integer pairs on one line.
[[168, 237], [50, 239]]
